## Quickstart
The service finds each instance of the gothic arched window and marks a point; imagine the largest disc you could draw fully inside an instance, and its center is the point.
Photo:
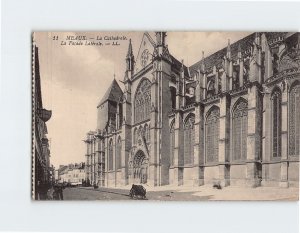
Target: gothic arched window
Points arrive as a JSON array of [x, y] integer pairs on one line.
[[294, 120], [172, 144], [276, 122], [110, 156], [142, 101], [119, 154], [212, 128], [189, 140], [239, 130]]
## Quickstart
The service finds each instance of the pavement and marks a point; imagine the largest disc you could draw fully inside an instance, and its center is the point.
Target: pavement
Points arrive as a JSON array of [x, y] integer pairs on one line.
[[201, 193]]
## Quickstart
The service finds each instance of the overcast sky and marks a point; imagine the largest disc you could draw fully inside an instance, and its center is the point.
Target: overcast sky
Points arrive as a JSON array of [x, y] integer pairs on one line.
[[74, 78]]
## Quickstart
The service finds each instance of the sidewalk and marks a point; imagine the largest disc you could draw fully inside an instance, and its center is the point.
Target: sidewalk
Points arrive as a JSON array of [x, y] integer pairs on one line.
[[228, 193]]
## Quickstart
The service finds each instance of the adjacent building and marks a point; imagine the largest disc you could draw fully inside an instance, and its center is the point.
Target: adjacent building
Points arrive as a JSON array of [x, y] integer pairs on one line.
[[232, 118], [41, 152], [73, 174]]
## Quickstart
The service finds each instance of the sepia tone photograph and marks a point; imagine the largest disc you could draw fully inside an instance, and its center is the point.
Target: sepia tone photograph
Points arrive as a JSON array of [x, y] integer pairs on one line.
[[165, 116]]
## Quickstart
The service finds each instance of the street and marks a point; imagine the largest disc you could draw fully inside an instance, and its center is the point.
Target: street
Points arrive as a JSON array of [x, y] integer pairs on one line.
[[83, 193], [202, 193]]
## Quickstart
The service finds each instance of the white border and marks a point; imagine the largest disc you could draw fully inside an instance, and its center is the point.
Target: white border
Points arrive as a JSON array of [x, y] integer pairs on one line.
[[18, 212]]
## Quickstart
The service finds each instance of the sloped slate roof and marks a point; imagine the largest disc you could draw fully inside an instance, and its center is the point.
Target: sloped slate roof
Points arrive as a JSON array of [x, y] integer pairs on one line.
[[216, 58], [113, 93], [177, 64]]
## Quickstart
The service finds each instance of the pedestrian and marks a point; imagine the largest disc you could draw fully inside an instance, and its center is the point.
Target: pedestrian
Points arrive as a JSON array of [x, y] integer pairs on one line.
[[60, 192], [50, 193]]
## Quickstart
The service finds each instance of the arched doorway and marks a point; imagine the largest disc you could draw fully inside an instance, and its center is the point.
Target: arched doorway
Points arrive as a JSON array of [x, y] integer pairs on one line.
[[140, 168]]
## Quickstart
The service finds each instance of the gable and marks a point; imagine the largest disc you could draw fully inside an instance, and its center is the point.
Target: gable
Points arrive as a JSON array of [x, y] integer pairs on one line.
[[144, 56]]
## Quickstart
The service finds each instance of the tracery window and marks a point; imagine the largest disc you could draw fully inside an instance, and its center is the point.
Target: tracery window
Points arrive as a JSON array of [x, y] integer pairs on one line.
[[142, 102], [294, 120], [172, 144], [110, 156], [212, 128], [189, 140], [119, 154], [276, 123], [239, 130]]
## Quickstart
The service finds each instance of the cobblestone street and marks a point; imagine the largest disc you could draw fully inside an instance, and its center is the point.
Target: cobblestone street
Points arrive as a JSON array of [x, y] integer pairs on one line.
[[183, 194]]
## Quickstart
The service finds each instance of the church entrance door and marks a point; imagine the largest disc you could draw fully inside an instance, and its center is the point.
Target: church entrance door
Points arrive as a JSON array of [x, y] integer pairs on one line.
[[140, 168]]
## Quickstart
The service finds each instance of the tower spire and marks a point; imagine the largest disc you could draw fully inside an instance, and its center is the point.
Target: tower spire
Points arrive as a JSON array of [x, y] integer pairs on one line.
[[129, 58], [228, 52], [239, 52], [202, 63], [129, 52]]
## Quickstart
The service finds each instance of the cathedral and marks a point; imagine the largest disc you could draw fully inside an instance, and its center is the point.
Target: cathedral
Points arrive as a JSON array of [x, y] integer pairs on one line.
[[233, 118]]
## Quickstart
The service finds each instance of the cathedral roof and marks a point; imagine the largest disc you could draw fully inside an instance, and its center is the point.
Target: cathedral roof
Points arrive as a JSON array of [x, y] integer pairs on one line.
[[113, 93], [245, 43], [178, 65]]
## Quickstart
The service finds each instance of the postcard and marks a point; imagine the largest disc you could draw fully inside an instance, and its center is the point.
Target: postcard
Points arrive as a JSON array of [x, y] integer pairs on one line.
[[165, 116]]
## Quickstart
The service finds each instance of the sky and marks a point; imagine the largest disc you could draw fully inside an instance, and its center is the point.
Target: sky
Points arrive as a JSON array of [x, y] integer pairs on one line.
[[75, 77]]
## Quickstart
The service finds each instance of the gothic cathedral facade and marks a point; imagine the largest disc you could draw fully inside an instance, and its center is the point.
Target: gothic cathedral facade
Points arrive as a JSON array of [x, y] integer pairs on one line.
[[232, 118]]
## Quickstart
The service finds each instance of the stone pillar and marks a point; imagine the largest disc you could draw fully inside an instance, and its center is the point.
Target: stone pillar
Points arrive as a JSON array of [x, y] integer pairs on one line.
[[224, 140], [106, 159], [153, 160], [203, 83], [115, 158], [126, 146], [266, 142], [252, 138], [126, 135], [92, 161], [178, 127], [284, 137], [101, 161], [241, 74], [198, 170]]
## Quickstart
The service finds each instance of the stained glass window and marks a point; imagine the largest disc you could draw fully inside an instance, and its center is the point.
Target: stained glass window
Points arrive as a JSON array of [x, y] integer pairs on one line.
[[294, 120], [276, 123], [142, 102], [172, 144], [212, 126], [110, 156], [189, 140], [239, 130], [119, 154]]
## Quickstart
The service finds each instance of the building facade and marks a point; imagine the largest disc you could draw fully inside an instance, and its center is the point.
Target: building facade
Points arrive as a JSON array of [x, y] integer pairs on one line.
[[41, 161], [232, 118], [73, 174]]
